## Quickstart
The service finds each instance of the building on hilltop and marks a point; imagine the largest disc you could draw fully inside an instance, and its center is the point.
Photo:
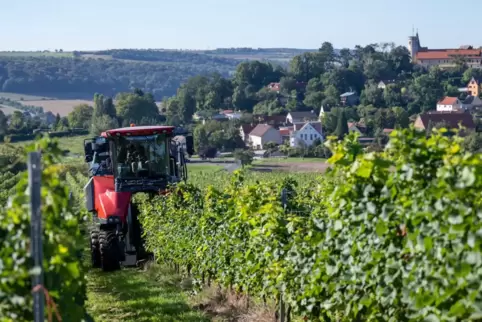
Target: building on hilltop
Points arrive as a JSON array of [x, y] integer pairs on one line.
[[443, 58]]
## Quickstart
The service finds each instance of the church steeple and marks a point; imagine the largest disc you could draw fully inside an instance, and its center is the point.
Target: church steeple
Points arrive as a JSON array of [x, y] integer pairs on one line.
[[414, 44]]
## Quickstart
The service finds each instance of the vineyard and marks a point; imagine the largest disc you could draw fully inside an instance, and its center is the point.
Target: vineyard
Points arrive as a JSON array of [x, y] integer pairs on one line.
[[382, 236], [392, 236]]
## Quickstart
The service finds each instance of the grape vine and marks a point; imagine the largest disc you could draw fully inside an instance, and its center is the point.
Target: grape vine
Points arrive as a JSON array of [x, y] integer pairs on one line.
[[62, 244], [384, 236]]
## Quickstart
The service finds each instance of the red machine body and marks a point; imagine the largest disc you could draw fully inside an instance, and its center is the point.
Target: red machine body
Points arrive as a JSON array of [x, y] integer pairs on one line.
[[108, 202]]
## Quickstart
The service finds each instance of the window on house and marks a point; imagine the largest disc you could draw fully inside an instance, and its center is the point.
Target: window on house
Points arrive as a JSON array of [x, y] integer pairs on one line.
[[311, 136]]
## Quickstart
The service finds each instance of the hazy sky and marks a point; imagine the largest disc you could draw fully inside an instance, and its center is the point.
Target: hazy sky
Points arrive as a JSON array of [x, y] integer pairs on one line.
[[203, 24]]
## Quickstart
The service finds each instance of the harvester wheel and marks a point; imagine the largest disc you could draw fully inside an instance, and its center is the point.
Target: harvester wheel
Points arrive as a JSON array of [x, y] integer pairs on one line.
[[95, 249], [109, 250]]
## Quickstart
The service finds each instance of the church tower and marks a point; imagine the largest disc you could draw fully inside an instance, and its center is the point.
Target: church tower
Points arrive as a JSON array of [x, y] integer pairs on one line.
[[414, 46]]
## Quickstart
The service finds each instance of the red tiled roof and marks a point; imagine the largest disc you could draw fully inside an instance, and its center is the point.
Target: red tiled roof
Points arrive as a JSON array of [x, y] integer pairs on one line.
[[452, 119], [227, 111], [447, 100], [260, 130], [448, 53]]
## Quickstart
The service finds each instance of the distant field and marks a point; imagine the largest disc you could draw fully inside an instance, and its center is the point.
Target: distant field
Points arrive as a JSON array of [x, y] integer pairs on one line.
[[75, 144], [23, 97], [63, 107], [7, 110], [255, 57]]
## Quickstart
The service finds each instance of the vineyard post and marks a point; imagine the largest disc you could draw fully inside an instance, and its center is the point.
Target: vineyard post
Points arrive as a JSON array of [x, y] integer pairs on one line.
[[284, 200], [34, 182]]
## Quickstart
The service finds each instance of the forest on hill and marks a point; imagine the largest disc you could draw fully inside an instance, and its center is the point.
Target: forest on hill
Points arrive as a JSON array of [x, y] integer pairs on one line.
[[80, 77], [81, 74]]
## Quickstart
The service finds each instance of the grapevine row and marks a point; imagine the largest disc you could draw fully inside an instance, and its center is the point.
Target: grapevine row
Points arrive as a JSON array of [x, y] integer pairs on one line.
[[390, 236], [62, 244]]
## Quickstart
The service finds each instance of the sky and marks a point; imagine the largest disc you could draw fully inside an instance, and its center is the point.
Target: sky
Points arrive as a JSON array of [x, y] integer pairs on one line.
[[210, 24]]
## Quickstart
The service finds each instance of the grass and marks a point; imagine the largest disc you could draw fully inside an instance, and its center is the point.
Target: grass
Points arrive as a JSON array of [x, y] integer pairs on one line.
[[127, 295], [289, 160], [203, 167], [75, 144]]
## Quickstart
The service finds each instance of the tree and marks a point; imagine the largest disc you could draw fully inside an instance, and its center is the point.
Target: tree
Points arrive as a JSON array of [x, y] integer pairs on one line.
[[372, 95], [108, 107], [473, 142], [255, 73], [244, 156], [342, 125], [345, 57], [306, 66], [103, 123], [132, 106], [400, 60], [57, 123], [402, 119], [327, 53], [392, 95], [81, 116], [469, 73], [3, 123], [98, 105], [332, 96], [17, 122], [426, 90], [287, 84]]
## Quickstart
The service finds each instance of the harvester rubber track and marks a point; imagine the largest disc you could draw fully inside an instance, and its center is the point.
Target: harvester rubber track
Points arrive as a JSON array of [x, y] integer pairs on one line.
[[109, 250], [95, 249]]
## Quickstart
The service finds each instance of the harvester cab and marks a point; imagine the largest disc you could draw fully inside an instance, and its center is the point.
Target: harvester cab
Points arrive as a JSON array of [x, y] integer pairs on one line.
[[123, 162]]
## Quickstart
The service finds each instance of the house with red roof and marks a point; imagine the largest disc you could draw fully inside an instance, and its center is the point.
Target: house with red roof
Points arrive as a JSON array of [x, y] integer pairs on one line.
[[449, 104], [262, 134], [450, 120]]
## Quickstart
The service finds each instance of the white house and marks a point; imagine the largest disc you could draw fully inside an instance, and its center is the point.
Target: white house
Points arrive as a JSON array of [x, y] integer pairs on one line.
[[306, 134], [262, 134], [449, 104]]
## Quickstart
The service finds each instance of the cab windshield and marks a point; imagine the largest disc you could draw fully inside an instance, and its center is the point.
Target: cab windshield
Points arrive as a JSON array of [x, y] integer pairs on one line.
[[141, 157]]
